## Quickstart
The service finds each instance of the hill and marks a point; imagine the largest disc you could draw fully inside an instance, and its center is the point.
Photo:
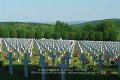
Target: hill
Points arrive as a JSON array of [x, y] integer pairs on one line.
[[105, 30], [81, 25]]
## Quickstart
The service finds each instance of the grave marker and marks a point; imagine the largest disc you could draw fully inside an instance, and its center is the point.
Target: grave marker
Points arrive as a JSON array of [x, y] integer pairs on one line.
[[26, 61], [118, 63], [62, 66], [10, 62], [43, 64], [93, 58], [107, 56], [83, 59], [67, 57], [100, 61], [53, 58]]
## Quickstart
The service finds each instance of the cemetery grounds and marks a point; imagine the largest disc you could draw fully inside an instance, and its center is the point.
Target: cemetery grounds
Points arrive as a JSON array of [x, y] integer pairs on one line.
[[60, 48]]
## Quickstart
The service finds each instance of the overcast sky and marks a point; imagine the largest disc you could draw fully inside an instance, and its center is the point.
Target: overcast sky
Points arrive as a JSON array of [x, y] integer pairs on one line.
[[63, 10]]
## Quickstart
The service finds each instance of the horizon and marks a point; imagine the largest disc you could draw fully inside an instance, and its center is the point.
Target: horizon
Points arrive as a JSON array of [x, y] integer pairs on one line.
[[51, 11], [53, 22]]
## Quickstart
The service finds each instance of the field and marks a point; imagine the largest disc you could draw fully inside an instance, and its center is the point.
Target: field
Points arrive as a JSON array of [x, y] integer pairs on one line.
[[90, 73]]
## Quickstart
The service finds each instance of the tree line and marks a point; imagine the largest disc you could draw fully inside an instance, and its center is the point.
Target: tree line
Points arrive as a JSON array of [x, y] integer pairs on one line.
[[105, 30]]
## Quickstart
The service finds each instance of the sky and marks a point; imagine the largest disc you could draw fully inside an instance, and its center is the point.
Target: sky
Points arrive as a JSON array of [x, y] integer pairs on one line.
[[53, 10]]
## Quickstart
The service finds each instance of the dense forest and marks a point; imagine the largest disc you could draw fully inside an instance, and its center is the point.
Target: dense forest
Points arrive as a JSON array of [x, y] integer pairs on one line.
[[102, 30]]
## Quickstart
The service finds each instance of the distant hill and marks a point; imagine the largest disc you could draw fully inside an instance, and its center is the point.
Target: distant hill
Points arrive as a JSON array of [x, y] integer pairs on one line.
[[81, 25], [71, 23], [75, 22], [28, 23]]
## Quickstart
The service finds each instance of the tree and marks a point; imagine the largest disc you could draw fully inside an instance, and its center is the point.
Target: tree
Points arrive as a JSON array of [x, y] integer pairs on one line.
[[30, 34], [48, 34], [79, 35], [106, 35], [21, 33], [106, 25], [113, 36], [4, 33], [1, 32], [58, 26], [85, 35], [56, 35], [65, 35], [38, 34], [91, 35], [89, 27], [72, 36], [99, 36], [13, 34]]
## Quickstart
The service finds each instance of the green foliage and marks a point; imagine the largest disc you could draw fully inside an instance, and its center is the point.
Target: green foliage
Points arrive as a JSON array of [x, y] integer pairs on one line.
[[106, 25], [99, 36], [85, 35], [91, 35], [63, 30], [65, 35], [13, 34], [106, 35], [30, 34], [56, 35], [38, 34], [72, 36], [105, 30], [89, 27], [48, 34], [4, 33], [113, 35], [21, 33], [79, 35]]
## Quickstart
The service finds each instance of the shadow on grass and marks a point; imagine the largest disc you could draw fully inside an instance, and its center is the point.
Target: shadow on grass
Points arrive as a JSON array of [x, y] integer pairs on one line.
[[18, 74]]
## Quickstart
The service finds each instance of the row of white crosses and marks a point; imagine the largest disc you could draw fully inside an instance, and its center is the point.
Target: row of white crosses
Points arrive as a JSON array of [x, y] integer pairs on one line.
[[21, 44], [18, 46], [89, 46], [106, 49], [93, 48], [99, 48], [55, 45]]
